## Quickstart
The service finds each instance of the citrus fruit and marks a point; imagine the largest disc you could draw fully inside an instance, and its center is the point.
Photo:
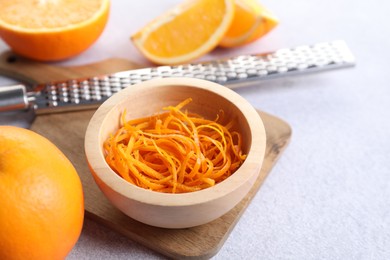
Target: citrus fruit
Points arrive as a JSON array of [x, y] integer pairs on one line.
[[185, 32], [42, 204], [251, 21], [50, 30]]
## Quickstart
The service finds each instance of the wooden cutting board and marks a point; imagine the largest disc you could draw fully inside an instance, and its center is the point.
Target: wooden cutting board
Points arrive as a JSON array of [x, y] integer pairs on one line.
[[67, 131]]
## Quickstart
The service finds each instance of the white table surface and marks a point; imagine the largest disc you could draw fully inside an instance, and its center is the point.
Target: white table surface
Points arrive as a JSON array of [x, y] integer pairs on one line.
[[328, 197]]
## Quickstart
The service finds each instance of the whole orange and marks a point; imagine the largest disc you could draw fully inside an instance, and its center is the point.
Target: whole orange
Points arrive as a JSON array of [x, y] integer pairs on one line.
[[52, 30], [42, 203]]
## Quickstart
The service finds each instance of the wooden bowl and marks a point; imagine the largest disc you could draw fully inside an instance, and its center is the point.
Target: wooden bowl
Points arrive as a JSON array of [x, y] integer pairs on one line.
[[186, 209]]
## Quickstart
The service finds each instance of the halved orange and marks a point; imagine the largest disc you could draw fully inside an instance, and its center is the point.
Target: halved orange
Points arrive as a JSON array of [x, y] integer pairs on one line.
[[185, 32], [49, 30], [251, 21]]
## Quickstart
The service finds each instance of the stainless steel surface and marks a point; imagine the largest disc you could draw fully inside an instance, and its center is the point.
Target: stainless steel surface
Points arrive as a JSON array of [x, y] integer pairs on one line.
[[77, 94], [13, 98]]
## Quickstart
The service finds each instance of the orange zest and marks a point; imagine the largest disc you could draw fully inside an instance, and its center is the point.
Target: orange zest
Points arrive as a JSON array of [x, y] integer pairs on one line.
[[174, 151]]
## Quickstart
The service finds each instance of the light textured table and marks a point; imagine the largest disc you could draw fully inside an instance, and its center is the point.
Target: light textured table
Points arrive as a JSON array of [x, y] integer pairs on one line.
[[328, 197]]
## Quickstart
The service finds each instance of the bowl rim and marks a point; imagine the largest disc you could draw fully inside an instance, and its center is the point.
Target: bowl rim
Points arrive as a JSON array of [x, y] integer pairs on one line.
[[102, 170]]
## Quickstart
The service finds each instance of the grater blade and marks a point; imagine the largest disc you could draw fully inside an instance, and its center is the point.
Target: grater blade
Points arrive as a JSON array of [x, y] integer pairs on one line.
[[235, 72]]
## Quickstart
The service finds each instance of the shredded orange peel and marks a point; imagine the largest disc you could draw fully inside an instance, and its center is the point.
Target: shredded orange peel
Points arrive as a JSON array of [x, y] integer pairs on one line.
[[174, 151]]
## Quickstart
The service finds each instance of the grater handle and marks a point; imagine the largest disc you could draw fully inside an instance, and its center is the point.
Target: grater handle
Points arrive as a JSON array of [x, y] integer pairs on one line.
[[14, 98]]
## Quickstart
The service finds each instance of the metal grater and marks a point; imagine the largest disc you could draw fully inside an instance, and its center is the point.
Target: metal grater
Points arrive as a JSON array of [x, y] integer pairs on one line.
[[77, 94]]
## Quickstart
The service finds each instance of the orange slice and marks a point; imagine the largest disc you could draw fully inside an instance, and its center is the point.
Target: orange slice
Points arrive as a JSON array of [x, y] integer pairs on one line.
[[251, 21], [50, 30], [185, 32]]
